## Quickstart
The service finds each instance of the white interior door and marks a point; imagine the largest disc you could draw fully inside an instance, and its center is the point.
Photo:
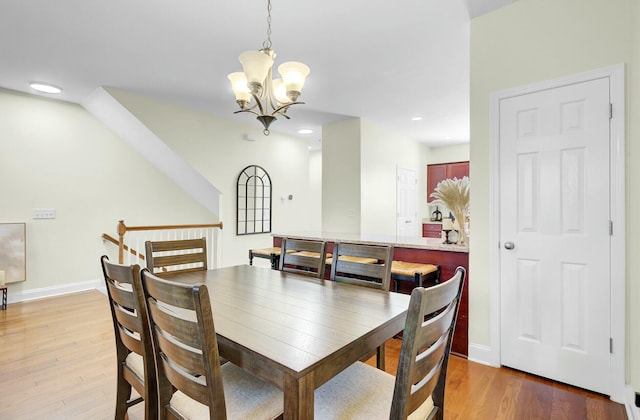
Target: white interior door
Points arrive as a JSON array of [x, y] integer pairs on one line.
[[555, 234], [407, 209]]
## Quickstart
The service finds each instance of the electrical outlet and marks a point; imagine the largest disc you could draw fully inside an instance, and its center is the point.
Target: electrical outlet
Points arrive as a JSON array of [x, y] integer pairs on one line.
[[44, 213]]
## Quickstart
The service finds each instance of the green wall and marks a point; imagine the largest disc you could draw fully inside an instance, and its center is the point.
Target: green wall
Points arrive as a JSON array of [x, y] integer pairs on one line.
[[536, 40]]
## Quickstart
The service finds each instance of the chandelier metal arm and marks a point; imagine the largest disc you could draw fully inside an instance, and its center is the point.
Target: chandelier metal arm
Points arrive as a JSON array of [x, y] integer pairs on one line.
[[258, 102], [281, 110], [278, 111]]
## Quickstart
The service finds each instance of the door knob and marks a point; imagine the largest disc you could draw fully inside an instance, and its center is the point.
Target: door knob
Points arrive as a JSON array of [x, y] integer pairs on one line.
[[509, 245]]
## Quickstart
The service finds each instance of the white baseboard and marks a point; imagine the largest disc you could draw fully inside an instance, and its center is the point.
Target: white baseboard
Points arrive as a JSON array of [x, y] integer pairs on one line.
[[633, 412], [483, 354], [45, 292]]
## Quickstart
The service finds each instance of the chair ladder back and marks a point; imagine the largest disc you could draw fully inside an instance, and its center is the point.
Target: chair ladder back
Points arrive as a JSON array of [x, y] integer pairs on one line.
[[185, 343], [127, 307], [377, 275], [303, 264], [433, 338], [442, 295], [126, 316], [131, 329], [170, 257], [168, 295], [426, 345], [174, 324]]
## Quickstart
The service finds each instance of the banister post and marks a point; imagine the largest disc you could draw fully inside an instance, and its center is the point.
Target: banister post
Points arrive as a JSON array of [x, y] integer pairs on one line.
[[122, 229]]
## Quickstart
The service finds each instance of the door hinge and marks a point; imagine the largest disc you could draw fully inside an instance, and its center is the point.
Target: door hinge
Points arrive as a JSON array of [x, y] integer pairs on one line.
[[610, 227], [610, 110], [611, 345]]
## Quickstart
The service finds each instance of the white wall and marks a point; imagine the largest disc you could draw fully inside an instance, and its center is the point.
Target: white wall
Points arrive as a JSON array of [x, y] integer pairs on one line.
[[382, 152], [360, 160], [341, 177], [216, 148], [315, 190], [530, 41], [447, 154], [56, 155], [633, 202]]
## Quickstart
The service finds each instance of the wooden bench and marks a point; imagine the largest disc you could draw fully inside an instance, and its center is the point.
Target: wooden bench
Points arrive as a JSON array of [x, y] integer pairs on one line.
[[272, 254], [418, 273]]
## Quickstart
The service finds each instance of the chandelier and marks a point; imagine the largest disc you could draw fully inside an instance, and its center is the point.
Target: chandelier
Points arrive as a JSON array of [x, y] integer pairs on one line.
[[271, 97]]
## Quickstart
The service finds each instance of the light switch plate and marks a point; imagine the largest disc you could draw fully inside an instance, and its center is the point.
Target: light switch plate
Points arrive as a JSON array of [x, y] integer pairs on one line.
[[44, 213]]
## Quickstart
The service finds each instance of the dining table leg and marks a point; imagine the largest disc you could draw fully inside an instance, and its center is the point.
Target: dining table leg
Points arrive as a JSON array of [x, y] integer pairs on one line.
[[381, 358], [298, 397]]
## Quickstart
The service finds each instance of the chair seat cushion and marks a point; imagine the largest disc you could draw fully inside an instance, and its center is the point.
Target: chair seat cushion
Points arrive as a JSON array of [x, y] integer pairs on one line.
[[246, 397], [403, 268], [360, 392], [135, 362]]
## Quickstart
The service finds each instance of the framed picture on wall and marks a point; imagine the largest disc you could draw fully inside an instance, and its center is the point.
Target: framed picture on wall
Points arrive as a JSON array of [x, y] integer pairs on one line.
[[13, 252]]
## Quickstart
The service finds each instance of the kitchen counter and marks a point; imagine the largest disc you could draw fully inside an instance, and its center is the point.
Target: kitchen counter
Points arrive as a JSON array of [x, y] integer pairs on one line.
[[413, 242]]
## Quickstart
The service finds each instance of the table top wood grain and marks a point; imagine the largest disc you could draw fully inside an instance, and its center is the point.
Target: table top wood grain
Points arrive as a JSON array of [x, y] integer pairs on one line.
[[295, 331]]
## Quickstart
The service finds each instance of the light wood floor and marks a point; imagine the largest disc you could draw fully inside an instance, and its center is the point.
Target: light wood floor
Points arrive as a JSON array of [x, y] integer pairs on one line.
[[57, 361]]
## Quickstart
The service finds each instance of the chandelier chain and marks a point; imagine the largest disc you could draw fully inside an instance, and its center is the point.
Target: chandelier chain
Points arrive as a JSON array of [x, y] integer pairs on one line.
[[267, 43]]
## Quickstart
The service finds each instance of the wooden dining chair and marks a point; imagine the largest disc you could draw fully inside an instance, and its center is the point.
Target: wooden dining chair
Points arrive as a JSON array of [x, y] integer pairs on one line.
[[346, 265], [363, 265], [172, 257], [364, 392], [191, 382], [134, 348], [308, 257]]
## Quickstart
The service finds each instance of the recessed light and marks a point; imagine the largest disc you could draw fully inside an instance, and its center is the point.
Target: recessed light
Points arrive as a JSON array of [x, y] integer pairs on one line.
[[305, 131], [416, 119], [44, 87]]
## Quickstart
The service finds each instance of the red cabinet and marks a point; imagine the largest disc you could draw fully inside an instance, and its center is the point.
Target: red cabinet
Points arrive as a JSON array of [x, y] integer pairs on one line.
[[432, 230], [438, 172]]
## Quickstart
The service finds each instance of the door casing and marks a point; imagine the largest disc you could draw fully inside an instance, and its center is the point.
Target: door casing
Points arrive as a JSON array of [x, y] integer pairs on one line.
[[617, 210]]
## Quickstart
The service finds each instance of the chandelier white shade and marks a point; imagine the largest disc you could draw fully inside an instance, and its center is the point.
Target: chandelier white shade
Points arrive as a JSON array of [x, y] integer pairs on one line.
[[255, 89]]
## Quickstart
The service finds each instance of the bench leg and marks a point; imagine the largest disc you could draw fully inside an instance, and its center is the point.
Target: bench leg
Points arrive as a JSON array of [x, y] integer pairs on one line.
[[250, 257], [417, 279]]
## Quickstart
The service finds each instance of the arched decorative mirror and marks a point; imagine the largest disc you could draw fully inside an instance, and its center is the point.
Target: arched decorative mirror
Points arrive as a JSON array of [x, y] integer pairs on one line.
[[253, 201]]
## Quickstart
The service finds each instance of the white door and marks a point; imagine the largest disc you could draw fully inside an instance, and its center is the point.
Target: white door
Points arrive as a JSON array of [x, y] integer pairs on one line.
[[555, 234], [407, 210]]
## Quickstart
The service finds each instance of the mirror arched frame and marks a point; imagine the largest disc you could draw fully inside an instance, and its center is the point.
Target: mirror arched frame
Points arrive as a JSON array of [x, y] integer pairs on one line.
[[253, 201]]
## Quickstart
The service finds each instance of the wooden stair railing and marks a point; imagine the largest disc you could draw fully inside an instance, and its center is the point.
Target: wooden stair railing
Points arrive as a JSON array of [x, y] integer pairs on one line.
[[123, 229], [114, 241]]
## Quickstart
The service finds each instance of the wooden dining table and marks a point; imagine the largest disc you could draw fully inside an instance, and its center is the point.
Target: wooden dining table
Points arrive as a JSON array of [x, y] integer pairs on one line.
[[294, 331]]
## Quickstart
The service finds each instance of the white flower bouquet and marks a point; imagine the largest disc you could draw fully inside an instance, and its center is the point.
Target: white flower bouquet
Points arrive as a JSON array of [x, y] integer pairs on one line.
[[454, 194]]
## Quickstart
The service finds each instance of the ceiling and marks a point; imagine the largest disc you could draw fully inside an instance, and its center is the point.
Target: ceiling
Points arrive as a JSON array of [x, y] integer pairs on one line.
[[387, 62]]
